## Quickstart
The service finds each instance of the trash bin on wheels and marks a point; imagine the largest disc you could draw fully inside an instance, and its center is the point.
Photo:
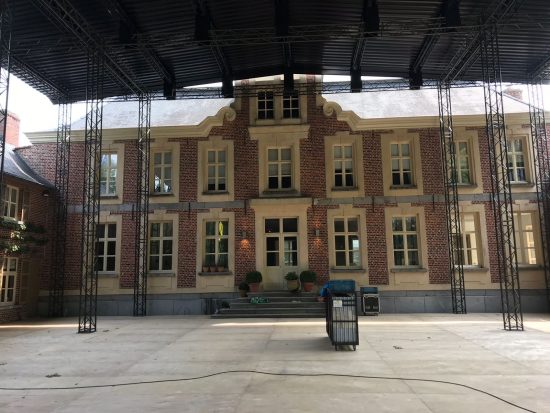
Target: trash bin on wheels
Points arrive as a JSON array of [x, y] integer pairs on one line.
[[341, 316]]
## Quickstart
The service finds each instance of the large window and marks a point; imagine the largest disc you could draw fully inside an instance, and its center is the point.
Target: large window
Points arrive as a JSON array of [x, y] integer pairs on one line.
[[162, 172], [265, 105], [216, 244], [525, 238], [401, 164], [108, 177], [216, 166], [405, 241], [516, 161], [11, 198], [346, 242], [291, 106], [281, 242], [462, 158], [468, 242], [343, 166], [160, 246], [279, 168], [8, 281], [106, 247]]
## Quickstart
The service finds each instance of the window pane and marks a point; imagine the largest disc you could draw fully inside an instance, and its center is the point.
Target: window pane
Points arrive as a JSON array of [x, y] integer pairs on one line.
[[286, 182], [223, 227], [155, 230], [273, 183], [222, 245], [405, 149], [112, 231], [100, 231], [168, 158], [352, 225], [339, 225], [411, 223], [290, 225], [399, 257], [347, 151], [337, 152], [340, 242], [210, 228], [398, 243], [412, 242], [413, 257], [285, 154], [394, 149], [349, 180], [154, 247], [110, 264], [272, 259], [272, 155], [167, 247], [154, 263], [210, 246], [272, 244], [111, 248], [167, 229], [397, 224], [167, 262], [341, 258], [354, 258], [271, 225]]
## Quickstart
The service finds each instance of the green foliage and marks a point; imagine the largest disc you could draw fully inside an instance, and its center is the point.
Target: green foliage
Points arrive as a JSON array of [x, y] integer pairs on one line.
[[308, 276], [21, 237], [253, 277], [244, 286], [291, 276]]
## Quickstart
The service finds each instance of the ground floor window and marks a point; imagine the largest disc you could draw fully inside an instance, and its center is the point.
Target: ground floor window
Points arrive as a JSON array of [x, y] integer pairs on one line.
[[346, 242], [105, 249], [8, 281], [405, 241], [468, 242], [281, 242], [525, 238], [216, 243], [160, 246]]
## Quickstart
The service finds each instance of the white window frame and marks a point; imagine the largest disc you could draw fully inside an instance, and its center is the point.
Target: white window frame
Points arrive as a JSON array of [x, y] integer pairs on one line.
[[356, 142], [8, 203], [161, 254], [343, 160], [405, 233], [105, 239], [263, 98], [463, 246], [400, 159], [347, 248], [163, 166], [216, 237], [458, 157], [216, 164], [215, 143], [108, 179], [279, 163], [512, 167], [291, 105], [522, 248], [9, 271], [281, 235]]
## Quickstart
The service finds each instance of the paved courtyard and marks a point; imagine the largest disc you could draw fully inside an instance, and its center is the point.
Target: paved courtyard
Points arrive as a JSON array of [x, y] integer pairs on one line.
[[472, 350]]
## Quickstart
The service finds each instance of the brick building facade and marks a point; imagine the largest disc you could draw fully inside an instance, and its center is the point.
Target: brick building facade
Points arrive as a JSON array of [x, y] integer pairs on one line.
[[348, 185]]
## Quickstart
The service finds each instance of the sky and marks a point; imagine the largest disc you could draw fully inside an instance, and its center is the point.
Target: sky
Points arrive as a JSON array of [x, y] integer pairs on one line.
[[37, 113]]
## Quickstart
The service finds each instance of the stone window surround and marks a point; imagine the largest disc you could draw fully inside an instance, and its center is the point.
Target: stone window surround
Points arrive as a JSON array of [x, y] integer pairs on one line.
[[215, 143], [519, 131], [344, 138], [215, 214], [105, 217], [461, 134], [118, 149], [161, 216], [480, 248], [527, 208], [400, 136], [165, 146]]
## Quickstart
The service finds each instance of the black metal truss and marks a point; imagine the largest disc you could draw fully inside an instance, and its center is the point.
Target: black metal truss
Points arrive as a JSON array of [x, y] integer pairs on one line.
[[5, 66], [450, 176], [63, 13], [142, 205], [541, 155], [57, 280], [90, 195], [501, 194]]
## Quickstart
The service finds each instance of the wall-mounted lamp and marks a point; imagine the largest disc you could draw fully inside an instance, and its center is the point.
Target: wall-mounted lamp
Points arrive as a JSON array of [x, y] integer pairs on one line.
[[243, 234], [45, 193], [317, 232]]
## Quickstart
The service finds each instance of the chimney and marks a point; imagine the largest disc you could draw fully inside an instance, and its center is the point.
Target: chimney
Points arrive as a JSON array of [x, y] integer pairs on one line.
[[514, 92], [12, 130]]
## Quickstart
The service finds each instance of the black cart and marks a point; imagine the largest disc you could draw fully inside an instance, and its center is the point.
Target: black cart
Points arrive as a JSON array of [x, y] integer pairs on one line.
[[342, 321]]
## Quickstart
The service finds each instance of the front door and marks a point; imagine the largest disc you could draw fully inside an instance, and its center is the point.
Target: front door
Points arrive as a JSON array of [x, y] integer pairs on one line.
[[281, 249]]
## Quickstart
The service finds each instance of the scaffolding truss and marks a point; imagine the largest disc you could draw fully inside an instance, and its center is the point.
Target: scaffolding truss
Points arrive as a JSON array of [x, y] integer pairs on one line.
[[90, 196], [541, 159], [57, 280], [142, 205], [501, 194], [450, 174], [5, 66]]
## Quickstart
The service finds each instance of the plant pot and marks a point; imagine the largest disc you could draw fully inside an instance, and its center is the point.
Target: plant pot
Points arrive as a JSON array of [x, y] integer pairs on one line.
[[292, 285], [205, 269], [308, 287], [254, 287], [220, 269], [211, 269], [242, 293]]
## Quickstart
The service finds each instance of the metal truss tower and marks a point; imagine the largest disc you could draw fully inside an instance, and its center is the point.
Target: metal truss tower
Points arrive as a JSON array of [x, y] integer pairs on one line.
[[5, 67], [541, 155], [87, 315], [57, 281], [501, 196], [450, 174], [142, 205]]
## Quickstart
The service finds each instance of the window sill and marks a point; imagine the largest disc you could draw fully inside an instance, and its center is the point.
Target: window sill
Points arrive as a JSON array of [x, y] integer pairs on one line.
[[281, 193], [161, 194], [530, 267], [207, 193], [408, 269], [475, 269], [208, 274], [107, 274], [344, 188], [466, 186], [107, 197], [522, 184], [403, 187], [347, 270], [161, 274]]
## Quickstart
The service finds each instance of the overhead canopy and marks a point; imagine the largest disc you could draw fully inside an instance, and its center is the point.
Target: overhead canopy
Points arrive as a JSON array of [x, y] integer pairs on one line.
[[149, 45]]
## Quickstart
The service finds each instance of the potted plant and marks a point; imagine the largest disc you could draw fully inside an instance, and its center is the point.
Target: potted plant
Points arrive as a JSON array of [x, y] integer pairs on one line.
[[307, 279], [244, 288], [292, 281], [253, 279]]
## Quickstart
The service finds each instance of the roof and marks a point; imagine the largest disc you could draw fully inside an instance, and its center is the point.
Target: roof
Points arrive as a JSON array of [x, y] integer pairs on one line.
[[149, 42], [15, 166]]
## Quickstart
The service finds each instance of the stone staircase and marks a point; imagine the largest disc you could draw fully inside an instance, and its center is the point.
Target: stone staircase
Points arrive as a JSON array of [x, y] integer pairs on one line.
[[282, 304]]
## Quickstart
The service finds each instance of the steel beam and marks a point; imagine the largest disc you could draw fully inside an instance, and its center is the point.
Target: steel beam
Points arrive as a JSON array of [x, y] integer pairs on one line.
[[541, 155], [5, 67], [90, 195], [501, 193], [142, 205], [450, 176], [57, 281]]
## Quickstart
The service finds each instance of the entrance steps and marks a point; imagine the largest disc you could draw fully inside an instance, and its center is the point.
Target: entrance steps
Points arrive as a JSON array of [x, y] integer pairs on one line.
[[281, 304]]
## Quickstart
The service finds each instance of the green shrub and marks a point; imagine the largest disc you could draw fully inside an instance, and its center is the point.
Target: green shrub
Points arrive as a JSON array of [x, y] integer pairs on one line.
[[291, 276], [244, 286], [308, 276], [253, 277]]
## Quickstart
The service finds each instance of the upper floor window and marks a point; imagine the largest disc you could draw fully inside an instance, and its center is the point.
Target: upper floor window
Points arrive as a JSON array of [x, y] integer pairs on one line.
[[8, 280], [216, 166], [343, 166], [160, 246], [462, 159], [162, 172], [266, 105], [216, 244], [279, 168], [525, 238], [10, 201], [108, 177], [291, 106], [401, 164], [516, 161], [405, 241], [105, 250], [346, 242], [468, 242]]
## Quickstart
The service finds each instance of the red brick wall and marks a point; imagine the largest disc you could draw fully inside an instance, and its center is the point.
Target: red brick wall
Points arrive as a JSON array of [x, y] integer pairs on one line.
[[437, 243], [430, 152], [12, 130], [377, 247], [318, 245]]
